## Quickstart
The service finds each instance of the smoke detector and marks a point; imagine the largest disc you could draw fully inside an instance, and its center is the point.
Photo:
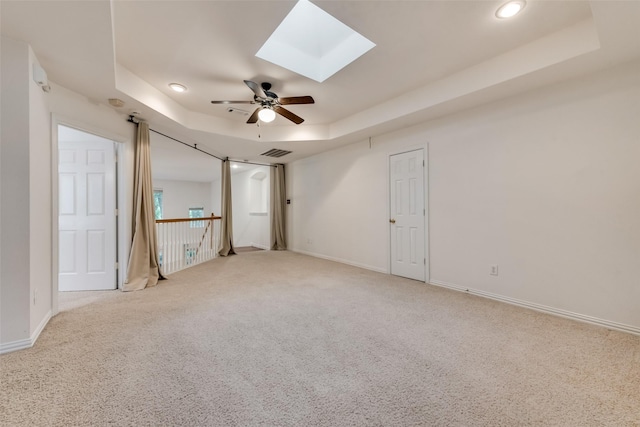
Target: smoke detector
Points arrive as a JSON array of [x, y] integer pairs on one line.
[[115, 102]]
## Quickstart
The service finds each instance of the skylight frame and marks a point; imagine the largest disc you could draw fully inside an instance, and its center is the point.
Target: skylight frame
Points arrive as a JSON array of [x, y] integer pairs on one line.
[[313, 43]]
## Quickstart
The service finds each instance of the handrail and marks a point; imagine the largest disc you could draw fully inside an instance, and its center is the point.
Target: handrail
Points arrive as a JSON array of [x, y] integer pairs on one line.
[[181, 241], [206, 218]]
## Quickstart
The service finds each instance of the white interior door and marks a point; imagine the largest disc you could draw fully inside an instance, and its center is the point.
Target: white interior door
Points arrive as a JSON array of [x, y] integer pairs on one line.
[[407, 210], [87, 214]]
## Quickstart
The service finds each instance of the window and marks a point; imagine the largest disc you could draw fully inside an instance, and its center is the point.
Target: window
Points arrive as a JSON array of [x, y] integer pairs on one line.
[[157, 203], [196, 213]]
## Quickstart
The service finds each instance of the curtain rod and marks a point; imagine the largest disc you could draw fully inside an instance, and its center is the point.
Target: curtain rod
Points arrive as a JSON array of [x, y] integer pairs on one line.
[[246, 162], [195, 147]]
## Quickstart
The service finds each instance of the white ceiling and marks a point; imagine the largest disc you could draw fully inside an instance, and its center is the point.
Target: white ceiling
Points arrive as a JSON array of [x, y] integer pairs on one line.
[[431, 58]]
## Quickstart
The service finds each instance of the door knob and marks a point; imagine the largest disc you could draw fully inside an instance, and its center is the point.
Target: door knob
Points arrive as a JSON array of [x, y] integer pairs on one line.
[[392, 221]]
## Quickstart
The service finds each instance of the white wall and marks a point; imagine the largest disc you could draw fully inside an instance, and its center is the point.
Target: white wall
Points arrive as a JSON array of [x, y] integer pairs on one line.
[[339, 206], [15, 225], [545, 185], [216, 197], [25, 281], [179, 196], [28, 192]]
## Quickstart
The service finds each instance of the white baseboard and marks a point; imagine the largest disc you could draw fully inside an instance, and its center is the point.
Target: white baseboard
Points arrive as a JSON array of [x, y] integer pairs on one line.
[[40, 327], [15, 346], [542, 308], [26, 343], [342, 261]]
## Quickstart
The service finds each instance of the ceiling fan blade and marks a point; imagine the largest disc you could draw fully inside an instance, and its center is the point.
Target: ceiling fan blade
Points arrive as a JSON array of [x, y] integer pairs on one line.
[[233, 102], [287, 114], [254, 116], [255, 87], [296, 100]]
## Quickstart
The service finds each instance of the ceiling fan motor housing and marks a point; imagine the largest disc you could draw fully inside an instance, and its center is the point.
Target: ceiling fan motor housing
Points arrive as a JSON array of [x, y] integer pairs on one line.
[[265, 88]]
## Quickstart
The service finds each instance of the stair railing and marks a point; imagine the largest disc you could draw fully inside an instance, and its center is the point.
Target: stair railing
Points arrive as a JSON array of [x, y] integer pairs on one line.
[[181, 241]]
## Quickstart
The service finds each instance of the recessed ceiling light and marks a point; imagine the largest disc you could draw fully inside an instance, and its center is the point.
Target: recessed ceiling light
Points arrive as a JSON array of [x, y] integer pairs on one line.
[[510, 9], [235, 166], [267, 115], [178, 87]]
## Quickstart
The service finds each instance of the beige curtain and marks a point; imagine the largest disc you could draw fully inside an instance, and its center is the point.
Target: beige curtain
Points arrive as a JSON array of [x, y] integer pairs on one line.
[[143, 269], [278, 206], [226, 226]]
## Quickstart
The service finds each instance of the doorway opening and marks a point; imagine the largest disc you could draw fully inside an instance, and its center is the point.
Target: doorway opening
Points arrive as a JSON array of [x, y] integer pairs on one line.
[[87, 237], [250, 198], [87, 227]]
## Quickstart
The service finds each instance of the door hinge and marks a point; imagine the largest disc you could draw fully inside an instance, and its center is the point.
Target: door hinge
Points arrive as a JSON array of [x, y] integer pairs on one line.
[[117, 212], [117, 265], [424, 212], [425, 261], [423, 163]]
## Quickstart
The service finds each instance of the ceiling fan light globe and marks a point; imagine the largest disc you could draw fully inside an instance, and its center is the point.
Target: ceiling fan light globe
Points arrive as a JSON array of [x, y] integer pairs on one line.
[[267, 115]]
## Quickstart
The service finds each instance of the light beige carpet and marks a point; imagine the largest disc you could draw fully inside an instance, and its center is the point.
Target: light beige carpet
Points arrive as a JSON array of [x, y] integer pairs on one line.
[[282, 339]]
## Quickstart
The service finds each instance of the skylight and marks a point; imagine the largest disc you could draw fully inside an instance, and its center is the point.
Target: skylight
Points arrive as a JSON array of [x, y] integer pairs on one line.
[[313, 43]]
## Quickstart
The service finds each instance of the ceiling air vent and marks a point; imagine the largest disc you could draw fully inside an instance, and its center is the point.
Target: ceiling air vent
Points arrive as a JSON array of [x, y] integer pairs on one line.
[[274, 152]]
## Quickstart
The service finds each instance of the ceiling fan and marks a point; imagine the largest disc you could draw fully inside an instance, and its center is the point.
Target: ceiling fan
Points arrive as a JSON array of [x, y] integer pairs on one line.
[[270, 103]]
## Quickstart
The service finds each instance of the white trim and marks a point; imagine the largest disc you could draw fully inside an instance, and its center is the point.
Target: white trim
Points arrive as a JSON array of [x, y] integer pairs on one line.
[[40, 328], [54, 214], [427, 229], [341, 261], [27, 343], [15, 346], [542, 308], [122, 223]]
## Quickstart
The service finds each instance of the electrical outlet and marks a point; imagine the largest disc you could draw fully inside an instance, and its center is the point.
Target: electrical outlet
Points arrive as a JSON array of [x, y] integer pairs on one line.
[[309, 241], [494, 270]]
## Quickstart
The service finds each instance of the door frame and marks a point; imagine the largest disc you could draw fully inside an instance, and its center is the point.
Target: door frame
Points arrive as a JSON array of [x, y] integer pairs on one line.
[[425, 177], [122, 250]]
